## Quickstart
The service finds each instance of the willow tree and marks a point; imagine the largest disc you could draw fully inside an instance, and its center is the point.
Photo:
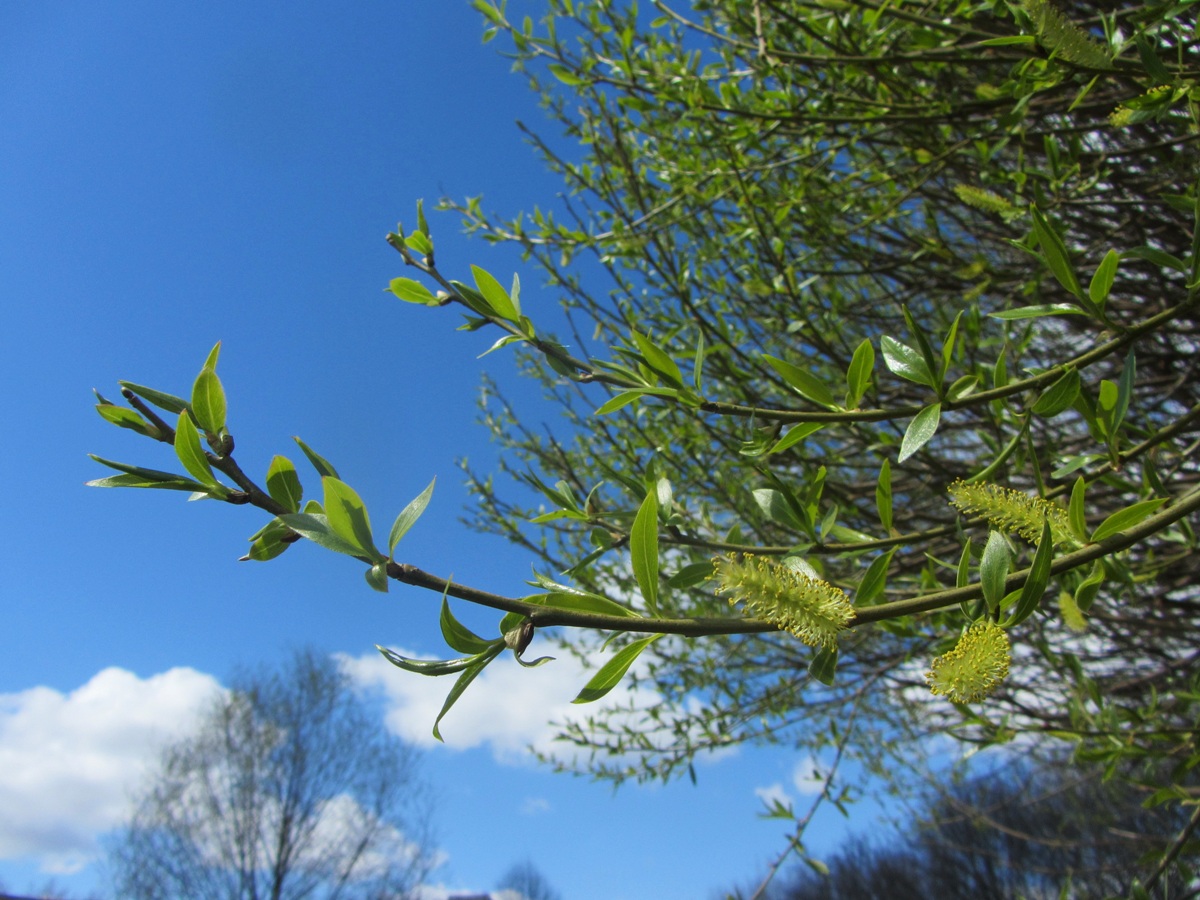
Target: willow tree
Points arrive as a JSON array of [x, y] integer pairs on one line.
[[879, 323]]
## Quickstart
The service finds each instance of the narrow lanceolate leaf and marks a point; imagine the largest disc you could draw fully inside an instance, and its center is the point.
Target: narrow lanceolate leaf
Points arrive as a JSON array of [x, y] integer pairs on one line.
[[412, 291], [429, 667], [1039, 577], [614, 670], [803, 382], [495, 294], [824, 665], [874, 580], [321, 464], [1126, 518], [458, 636], [136, 476], [347, 515], [905, 362], [858, 375], [1075, 514], [1102, 280], [658, 360], [464, 680], [1060, 396], [190, 451], [643, 545], [795, 435], [208, 401], [1035, 312], [883, 495], [283, 484], [1055, 253], [993, 569], [408, 516], [923, 427], [169, 402], [213, 355]]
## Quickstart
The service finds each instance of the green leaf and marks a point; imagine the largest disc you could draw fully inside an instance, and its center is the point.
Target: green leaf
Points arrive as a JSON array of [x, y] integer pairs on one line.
[[1039, 576], [377, 577], [905, 362], [858, 375], [802, 382], [132, 480], [1126, 518], [963, 576], [458, 636], [422, 225], [948, 348], [495, 295], [565, 75], [191, 453], [794, 435], [874, 580], [993, 569], [690, 576], [428, 667], [823, 666], [347, 516], [658, 360], [923, 427], [464, 680], [1125, 389], [144, 478], [922, 344], [1055, 253], [1085, 594], [419, 243], [643, 547], [208, 401], [614, 670], [409, 515], [1034, 312], [1102, 280], [883, 495], [564, 596], [322, 465], [1075, 514], [1060, 396], [412, 291], [271, 540], [1160, 258], [283, 484], [169, 402], [316, 528], [124, 417], [211, 361]]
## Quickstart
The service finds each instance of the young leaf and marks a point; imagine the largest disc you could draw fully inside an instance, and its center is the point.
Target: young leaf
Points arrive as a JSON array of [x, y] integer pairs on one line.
[[495, 295], [464, 680], [823, 666], [1039, 576], [1055, 253], [906, 362], [1126, 518], [1034, 312], [208, 401], [1102, 280], [271, 540], [802, 382], [125, 417], [1060, 396], [322, 465], [347, 516], [408, 516], [614, 670], [948, 348], [883, 495], [658, 360], [458, 636], [141, 477], [923, 427], [190, 452], [283, 484], [411, 291], [795, 434], [169, 402], [643, 546], [315, 527], [993, 569], [1075, 515], [874, 580], [858, 375]]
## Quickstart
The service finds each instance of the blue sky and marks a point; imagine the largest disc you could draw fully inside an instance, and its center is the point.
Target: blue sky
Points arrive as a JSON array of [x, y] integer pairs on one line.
[[172, 175]]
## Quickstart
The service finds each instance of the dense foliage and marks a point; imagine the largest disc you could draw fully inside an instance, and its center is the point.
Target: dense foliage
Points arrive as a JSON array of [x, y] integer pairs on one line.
[[890, 308]]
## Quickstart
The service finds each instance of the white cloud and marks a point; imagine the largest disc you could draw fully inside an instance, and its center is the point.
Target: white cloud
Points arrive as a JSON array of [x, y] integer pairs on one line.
[[69, 761], [535, 806], [808, 777], [773, 794]]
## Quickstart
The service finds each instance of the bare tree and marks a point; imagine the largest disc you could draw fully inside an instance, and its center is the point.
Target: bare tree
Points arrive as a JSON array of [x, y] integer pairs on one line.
[[289, 788], [525, 879]]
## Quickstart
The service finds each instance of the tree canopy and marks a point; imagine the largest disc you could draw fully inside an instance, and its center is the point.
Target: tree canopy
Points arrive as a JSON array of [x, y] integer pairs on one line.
[[287, 789], [879, 323]]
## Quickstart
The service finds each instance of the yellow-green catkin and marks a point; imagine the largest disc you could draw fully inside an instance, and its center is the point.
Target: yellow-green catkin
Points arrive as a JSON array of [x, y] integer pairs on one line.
[[809, 608], [1012, 511], [975, 667], [983, 199]]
